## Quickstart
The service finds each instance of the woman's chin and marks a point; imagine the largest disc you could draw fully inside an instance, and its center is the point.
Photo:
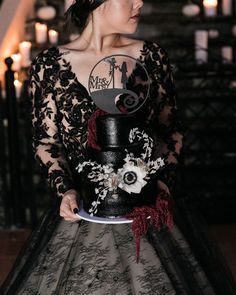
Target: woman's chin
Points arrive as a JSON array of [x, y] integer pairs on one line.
[[129, 31]]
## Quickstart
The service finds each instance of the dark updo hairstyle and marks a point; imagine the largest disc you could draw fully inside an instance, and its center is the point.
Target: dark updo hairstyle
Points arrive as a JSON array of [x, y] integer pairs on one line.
[[78, 13]]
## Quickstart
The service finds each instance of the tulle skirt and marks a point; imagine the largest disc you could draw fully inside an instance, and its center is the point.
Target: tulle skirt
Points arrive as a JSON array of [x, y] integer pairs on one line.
[[100, 259]]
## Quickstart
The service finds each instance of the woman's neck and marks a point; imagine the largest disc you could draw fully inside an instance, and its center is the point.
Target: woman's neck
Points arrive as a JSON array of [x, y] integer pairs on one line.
[[95, 40]]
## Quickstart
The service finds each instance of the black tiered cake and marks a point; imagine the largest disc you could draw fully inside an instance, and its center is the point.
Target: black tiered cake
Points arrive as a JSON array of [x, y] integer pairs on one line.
[[120, 185]]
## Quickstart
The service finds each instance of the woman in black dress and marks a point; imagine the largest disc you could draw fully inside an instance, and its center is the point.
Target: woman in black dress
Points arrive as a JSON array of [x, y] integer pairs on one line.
[[66, 255]]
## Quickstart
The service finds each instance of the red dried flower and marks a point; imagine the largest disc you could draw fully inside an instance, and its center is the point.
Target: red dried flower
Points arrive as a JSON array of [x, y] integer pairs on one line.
[[159, 215], [92, 129]]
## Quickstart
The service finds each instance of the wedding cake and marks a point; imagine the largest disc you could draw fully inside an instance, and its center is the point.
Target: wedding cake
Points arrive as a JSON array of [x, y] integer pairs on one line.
[[120, 173]]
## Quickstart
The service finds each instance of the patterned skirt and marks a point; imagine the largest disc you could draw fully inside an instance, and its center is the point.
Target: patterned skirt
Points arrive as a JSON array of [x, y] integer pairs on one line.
[[88, 258]]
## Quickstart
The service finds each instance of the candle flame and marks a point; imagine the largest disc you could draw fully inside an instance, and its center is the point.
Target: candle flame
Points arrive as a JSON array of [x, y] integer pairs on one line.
[[40, 26], [53, 32], [17, 83], [212, 3], [16, 76], [16, 56], [25, 44]]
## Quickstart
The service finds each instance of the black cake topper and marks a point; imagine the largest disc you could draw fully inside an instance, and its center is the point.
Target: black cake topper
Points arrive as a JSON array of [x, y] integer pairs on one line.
[[119, 84]]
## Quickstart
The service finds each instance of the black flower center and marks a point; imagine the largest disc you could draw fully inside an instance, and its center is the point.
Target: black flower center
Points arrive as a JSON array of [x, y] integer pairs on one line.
[[130, 177]]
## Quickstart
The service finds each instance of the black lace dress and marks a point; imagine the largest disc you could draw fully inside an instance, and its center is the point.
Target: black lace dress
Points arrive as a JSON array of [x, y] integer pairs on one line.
[[90, 258]]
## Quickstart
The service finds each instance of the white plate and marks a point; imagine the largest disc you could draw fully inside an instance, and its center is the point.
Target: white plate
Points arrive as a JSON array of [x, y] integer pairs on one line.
[[117, 220]]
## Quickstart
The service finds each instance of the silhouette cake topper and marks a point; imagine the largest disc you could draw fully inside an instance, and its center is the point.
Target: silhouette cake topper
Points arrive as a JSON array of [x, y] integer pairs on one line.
[[119, 84]]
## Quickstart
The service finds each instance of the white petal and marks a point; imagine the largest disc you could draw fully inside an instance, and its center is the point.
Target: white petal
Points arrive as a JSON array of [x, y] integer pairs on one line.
[[137, 188], [124, 187]]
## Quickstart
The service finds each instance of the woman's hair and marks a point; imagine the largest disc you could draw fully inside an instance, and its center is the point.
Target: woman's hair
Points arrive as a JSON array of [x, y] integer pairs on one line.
[[78, 13]]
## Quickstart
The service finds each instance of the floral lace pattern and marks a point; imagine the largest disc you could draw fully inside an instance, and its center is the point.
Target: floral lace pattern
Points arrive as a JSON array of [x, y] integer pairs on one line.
[[99, 259]]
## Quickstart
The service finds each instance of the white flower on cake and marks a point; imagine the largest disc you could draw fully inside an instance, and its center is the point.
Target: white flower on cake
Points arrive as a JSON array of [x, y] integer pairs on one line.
[[131, 178]]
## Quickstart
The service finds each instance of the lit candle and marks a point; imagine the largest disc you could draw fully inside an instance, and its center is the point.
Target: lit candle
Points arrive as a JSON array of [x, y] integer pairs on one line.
[[227, 54], [5, 122], [210, 7], [68, 3], [201, 46], [46, 12], [212, 33], [18, 88], [25, 51], [16, 62], [53, 36], [227, 7], [232, 85], [41, 33]]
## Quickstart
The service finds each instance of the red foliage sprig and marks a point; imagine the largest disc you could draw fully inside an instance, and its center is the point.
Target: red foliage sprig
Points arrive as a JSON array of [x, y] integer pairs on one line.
[[92, 129], [159, 215]]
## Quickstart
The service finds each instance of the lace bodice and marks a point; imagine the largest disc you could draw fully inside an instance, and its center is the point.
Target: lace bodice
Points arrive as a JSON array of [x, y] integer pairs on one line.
[[62, 106]]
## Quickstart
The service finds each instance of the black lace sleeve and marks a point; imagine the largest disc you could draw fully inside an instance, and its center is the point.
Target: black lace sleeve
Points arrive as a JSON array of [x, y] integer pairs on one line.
[[165, 114], [47, 146]]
